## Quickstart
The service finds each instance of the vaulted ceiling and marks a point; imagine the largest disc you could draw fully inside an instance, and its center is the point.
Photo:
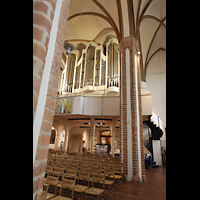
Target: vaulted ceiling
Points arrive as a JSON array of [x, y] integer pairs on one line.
[[94, 20]]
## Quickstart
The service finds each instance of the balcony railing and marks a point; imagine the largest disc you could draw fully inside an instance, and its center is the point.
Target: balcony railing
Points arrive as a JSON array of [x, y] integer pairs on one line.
[[155, 118]]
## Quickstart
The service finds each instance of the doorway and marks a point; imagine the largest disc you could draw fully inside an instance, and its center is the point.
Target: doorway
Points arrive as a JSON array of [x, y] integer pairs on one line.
[[105, 137]]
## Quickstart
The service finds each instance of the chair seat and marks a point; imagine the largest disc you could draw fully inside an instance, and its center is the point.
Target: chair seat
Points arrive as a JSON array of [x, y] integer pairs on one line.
[[50, 195], [108, 182], [71, 175], [80, 188], [51, 182], [61, 198], [67, 186], [115, 176], [94, 191]]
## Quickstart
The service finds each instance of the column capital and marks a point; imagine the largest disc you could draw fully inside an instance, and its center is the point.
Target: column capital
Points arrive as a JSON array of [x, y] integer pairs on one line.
[[128, 42]]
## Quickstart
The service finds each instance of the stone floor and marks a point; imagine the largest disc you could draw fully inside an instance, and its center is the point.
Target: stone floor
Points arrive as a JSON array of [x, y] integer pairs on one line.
[[153, 189]]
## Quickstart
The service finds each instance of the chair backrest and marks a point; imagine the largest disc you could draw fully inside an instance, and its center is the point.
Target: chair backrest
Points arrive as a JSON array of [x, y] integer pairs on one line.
[[98, 178], [85, 169], [71, 171], [96, 170], [96, 165], [85, 165], [68, 183], [59, 169], [49, 168], [85, 175], [73, 167], [51, 180], [118, 169], [109, 172]]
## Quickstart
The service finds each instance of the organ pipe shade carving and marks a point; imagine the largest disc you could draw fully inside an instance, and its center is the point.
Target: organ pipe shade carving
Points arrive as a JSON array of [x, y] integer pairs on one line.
[[113, 71], [89, 66]]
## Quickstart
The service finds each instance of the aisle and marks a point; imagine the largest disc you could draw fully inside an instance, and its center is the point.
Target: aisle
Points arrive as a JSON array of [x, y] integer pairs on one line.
[[153, 189]]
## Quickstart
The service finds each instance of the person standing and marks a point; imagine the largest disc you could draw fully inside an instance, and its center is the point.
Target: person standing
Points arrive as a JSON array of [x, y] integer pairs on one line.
[[109, 147]]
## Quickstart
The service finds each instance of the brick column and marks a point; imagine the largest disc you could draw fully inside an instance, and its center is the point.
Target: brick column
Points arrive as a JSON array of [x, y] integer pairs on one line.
[[131, 112], [44, 14]]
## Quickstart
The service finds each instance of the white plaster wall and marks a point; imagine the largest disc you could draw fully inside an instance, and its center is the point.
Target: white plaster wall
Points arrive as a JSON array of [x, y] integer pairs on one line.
[[107, 106], [156, 84], [97, 135], [111, 106], [77, 133], [61, 137], [75, 140], [92, 106], [157, 152], [77, 105], [125, 18], [86, 137], [146, 105]]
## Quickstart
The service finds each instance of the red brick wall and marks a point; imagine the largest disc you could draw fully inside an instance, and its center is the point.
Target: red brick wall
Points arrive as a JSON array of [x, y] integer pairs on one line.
[[43, 13], [131, 43]]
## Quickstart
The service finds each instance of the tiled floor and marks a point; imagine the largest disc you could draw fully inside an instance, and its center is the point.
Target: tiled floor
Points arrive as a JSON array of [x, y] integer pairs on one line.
[[153, 189]]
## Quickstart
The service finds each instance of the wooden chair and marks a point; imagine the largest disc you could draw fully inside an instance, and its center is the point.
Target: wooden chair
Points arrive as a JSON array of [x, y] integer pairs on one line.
[[109, 184], [73, 166], [66, 187], [85, 169], [85, 165], [45, 191], [48, 169], [96, 192], [52, 182], [93, 171], [118, 175], [79, 189], [84, 178], [58, 172], [71, 174], [85, 161]]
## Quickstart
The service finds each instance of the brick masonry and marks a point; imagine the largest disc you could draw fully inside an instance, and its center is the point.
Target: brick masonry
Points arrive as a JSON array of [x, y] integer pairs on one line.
[[131, 43], [43, 13]]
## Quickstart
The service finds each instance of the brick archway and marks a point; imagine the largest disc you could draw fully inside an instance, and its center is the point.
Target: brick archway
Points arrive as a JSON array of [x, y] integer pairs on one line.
[[44, 14]]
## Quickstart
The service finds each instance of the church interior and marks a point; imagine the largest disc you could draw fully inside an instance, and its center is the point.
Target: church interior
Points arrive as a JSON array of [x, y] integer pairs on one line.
[[108, 120]]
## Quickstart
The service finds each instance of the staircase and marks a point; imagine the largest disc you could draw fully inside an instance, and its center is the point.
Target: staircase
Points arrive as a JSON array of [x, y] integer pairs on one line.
[[155, 124], [156, 131], [153, 165]]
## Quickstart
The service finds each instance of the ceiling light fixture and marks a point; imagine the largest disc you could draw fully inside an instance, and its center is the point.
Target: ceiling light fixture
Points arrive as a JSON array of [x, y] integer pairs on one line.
[[67, 45]]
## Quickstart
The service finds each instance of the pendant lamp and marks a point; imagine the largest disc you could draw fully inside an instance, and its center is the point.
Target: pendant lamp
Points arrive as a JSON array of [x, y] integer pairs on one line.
[[67, 45]]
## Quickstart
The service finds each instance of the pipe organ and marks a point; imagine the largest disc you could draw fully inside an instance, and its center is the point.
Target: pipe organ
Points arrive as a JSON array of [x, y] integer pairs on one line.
[[91, 69]]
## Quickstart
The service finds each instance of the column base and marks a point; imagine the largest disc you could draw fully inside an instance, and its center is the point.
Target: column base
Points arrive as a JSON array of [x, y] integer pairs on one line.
[[137, 179]]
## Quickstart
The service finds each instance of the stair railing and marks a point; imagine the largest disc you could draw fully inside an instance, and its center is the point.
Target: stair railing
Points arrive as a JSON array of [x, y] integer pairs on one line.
[[157, 120], [145, 149]]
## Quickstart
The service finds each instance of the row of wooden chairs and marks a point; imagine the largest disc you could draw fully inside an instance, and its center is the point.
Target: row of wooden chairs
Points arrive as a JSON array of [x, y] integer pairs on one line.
[[82, 169], [115, 172], [96, 190], [56, 161]]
